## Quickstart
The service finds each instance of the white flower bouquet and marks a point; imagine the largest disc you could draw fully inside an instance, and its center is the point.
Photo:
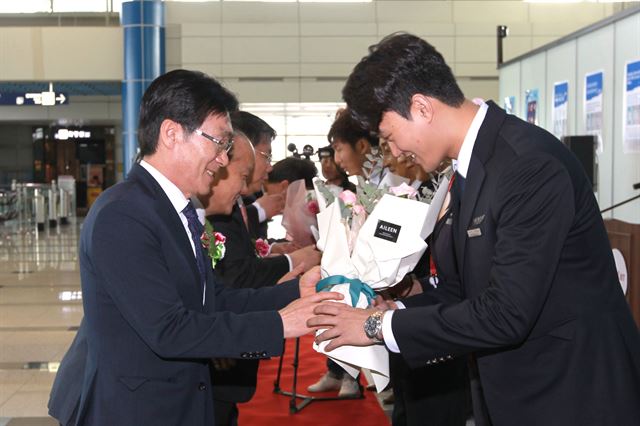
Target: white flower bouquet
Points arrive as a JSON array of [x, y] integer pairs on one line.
[[370, 240]]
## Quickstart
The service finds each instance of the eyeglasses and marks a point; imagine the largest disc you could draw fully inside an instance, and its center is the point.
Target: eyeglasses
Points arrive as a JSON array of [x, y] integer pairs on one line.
[[224, 145], [268, 157]]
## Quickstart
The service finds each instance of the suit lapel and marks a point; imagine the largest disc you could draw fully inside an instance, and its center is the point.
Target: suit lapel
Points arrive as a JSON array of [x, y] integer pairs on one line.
[[236, 216], [171, 219], [176, 228], [210, 290], [482, 152], [475, 178]]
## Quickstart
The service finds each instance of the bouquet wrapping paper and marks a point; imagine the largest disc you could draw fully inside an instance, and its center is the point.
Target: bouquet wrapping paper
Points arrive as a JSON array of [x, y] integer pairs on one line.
[[299, 214], [372, 253]]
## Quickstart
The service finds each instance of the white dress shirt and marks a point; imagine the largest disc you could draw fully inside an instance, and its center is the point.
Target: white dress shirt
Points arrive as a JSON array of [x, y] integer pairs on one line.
[[262, 215], [179, 202], [462, 167]]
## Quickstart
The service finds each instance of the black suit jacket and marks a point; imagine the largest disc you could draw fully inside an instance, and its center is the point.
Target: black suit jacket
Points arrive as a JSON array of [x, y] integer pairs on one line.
[[149, 336], [240, 267], [543, 309], [257, 229]]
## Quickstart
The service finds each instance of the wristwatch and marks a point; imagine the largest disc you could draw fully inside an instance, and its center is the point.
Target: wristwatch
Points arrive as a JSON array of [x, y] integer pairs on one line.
[[373, 326]]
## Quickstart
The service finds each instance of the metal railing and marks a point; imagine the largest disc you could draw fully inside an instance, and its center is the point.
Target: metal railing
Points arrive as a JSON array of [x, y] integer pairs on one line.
[[38, 203]]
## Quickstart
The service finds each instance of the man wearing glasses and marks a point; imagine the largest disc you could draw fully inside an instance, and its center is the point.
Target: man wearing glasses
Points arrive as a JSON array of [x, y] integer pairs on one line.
[[224, 144], [259, 208], [154, 313]]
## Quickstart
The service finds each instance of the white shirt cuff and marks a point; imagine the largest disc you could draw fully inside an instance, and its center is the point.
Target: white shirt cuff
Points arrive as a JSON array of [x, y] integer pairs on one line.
[[262, 215], [387, 333], [400, 305], [290, 262]]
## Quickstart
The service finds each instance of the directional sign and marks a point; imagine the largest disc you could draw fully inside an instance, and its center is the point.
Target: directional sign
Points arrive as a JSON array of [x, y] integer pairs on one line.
[[49, 98], [40, 98]]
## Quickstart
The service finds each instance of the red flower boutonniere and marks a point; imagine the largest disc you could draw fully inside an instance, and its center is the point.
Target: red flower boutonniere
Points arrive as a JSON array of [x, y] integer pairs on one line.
[[263, 248], [213, 242], [312, 207]]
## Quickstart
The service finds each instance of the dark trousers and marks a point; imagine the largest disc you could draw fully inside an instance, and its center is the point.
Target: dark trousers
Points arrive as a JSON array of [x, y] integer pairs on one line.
[[335, 370], [225, 413], [435, 395]]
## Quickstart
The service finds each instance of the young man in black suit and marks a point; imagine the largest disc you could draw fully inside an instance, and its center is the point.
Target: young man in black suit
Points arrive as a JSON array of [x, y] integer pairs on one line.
[[542, 310], [154, 312]]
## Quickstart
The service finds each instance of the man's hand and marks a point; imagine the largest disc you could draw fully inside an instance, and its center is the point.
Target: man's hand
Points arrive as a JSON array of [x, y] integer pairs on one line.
[[308, 281], [308, 255], [344, 324], [295, 314], [409, 286], [272, 204], [382, 304], [284, 248]]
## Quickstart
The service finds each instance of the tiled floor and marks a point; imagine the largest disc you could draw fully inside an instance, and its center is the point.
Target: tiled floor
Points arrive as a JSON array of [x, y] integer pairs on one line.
[[39, 311]]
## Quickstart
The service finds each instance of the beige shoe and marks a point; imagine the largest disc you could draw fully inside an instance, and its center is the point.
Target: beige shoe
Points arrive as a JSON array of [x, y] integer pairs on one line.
[[349, 388], [326, 383]]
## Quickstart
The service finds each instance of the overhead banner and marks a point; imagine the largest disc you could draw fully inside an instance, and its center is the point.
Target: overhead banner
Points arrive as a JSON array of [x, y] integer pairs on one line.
[[631, 109], [531, 105], [593, 106], [559, 110]]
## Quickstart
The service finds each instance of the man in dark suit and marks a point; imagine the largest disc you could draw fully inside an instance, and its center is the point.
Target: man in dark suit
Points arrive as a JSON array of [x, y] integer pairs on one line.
[[241, 268], [260, 207], [67, 386], [154, 313], [234, 381], [542, 310]]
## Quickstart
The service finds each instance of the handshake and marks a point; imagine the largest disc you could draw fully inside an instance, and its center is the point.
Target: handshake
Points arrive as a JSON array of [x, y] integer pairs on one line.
[[297, 313], [315, 311]]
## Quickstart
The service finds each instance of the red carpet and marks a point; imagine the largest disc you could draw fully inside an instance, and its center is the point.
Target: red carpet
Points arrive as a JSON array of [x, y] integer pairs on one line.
[[270, 409]]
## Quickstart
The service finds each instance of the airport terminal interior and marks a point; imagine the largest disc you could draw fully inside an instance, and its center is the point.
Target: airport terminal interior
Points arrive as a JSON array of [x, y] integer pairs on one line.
[[70, 78]]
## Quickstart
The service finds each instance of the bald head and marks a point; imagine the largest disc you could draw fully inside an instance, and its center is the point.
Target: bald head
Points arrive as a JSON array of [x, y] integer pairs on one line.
[[232, 180], [243, 151]]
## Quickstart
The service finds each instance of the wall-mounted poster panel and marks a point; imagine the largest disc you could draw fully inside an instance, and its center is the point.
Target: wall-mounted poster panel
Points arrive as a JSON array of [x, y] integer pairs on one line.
[[631, 108], [559, 108], [593, 83], [531, 106], [509, 102]]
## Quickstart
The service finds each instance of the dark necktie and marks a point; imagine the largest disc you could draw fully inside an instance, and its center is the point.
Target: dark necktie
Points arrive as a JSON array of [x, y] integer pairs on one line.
[[196, 229], [457, 190], [460, 181]]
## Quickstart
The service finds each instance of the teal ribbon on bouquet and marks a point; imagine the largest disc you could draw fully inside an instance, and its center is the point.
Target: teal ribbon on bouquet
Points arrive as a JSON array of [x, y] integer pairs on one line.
[[356, 287]]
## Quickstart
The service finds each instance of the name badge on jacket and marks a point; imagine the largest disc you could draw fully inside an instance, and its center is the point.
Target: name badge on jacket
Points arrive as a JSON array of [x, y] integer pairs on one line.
[[475, 232]]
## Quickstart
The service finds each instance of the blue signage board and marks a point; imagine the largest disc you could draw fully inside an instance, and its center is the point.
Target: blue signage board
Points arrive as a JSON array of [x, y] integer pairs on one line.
[[560, 94], [631, 109], [19, 99], [594, 85], [633, 76], [559, 111]]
